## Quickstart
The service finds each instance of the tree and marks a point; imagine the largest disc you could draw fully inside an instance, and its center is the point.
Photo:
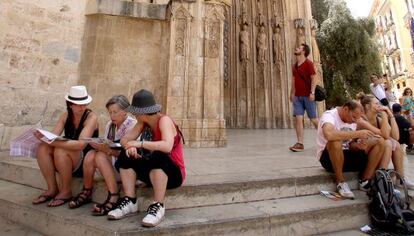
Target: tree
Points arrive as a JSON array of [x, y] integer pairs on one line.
[[349, 54]]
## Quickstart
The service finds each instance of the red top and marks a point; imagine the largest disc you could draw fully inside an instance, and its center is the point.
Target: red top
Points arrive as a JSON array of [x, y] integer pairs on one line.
[[176, 153], [306, 69]]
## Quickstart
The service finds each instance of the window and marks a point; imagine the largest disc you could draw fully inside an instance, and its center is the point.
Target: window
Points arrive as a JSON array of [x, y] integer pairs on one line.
[[404, 84], [398, 86]]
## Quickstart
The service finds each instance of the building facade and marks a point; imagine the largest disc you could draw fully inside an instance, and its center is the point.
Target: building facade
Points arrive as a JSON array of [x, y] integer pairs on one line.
[[394, 21], [212, 64]]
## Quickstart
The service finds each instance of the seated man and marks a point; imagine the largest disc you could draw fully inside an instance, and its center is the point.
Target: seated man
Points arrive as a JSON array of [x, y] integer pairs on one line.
[[404, 126], [337, 150]]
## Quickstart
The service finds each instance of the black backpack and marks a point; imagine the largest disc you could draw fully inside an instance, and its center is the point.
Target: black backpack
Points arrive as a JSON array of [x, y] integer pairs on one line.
[[389, 209]]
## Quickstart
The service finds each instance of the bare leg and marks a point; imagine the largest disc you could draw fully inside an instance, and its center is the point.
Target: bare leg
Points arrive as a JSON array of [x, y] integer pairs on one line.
[[159, 182], [128, 177], [299, 128], [397, 160], [45, 161], [65, 161], [374, 158], [336, 155], [89, 169], [104, 164], [315, 122], [386, 156]]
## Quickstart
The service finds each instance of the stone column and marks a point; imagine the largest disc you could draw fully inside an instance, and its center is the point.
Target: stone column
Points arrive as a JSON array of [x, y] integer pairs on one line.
[[195, 81]]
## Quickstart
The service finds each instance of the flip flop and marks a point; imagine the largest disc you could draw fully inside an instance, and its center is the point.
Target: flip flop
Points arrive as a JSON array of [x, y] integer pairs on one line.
[[62, 201], [42, 199]]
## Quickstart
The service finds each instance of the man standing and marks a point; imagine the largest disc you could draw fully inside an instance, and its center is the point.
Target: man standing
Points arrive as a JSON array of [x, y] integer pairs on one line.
[[302, 93], [340, 148], [377, 89]]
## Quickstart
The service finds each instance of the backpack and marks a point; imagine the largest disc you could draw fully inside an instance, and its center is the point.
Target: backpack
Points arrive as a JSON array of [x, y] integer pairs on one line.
[[389, 210]]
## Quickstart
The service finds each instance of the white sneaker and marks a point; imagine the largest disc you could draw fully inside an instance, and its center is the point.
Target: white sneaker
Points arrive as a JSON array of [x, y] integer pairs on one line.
[[124, 207], [155, 214], [344, 191]]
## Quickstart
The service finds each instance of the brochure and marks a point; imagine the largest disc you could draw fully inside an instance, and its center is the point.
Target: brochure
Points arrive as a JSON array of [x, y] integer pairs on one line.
[[332, 195], [49, 137], [97, 140]]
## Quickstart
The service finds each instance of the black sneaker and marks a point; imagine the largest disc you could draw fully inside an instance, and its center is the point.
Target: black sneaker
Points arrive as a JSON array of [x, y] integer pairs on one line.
[[364, 185]]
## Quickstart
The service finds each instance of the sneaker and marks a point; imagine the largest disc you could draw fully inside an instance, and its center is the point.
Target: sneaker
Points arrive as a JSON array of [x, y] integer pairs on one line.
[[408, 183], [344, 191], [298, 147], [409, 151], [123, 208], [364, 185], [155, 214]]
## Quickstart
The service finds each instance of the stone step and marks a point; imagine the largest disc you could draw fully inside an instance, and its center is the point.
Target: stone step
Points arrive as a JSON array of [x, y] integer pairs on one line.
[[305, 215], [198, 190]]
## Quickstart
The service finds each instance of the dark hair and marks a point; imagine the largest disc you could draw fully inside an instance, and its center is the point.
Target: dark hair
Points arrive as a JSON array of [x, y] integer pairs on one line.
[[406, 91], [352, 105], [121, 100], [374, 76], [306, 48]]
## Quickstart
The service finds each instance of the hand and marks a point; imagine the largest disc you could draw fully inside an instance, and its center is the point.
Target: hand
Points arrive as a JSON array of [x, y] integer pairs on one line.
[[366, 134], [292, 97], [312, 97], [100, 147], [38, 135], [132, 143], [132, 152]]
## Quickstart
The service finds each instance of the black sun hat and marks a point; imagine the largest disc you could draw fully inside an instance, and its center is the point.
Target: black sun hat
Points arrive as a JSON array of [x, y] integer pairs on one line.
[[143, 103]]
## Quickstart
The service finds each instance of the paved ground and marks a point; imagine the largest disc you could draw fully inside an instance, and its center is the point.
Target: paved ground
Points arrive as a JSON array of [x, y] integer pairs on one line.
[[250, 154]]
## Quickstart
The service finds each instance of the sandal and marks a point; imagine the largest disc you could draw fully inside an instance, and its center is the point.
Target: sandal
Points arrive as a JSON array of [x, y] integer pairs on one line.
[[105, 207], [62, 201], [42, 199], [81, 199]]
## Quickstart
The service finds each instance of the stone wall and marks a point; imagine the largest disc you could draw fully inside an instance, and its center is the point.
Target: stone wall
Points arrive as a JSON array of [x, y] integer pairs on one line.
[[40, 52], [121, 55]]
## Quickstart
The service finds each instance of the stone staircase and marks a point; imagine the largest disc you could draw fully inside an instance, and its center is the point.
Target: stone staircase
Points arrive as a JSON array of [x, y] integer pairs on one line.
[[282, 203]]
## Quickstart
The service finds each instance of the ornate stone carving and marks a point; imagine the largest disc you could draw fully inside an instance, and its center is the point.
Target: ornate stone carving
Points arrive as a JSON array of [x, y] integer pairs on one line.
[[244, 45], [243, 13], [300, 31], [213, 32], [260, 18], [181, 18], [278, 50], [315, 49], [262, 45]]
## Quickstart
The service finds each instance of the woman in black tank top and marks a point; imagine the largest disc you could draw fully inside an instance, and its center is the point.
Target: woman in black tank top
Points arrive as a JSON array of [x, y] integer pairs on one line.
[[65, 157], [382, 122]]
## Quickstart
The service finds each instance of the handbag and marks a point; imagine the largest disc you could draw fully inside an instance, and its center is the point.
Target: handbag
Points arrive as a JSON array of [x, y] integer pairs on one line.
[[146, 135], [320, 92]]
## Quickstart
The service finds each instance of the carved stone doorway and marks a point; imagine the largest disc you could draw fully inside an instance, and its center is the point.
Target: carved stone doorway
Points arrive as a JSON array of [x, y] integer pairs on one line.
[[255, 85]]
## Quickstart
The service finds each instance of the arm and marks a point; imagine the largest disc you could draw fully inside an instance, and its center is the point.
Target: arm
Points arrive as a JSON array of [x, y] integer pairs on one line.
[[132, 134], [331, 134], [166, 143], [384, 125], [91, 124]]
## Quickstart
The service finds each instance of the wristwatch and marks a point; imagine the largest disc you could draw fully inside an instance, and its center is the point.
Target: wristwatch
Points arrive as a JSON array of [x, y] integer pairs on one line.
[[312, 93]]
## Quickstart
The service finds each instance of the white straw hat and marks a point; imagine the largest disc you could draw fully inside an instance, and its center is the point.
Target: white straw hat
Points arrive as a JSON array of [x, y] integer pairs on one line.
[[78, 95]]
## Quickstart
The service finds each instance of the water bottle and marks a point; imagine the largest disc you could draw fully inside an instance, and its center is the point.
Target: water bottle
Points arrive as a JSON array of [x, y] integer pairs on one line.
[[397, 194]]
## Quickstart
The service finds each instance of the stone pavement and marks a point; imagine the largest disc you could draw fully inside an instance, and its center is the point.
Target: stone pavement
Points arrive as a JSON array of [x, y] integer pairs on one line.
[[256, 174]]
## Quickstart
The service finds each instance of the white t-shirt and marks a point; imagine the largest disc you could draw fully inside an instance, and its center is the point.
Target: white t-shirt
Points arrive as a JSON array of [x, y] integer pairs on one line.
[[378, 91], [332, 117]]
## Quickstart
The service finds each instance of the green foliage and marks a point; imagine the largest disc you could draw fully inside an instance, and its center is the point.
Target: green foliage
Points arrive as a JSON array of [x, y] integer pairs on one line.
[[348, 52]]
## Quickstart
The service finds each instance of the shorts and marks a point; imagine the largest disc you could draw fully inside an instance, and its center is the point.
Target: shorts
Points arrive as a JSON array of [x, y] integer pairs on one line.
[[78, 170], [300, 104], [143, 167], [354, 161]]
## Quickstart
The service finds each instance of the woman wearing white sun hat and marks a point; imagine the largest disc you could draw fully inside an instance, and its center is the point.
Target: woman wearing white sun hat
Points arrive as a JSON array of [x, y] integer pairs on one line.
[[65, 157]]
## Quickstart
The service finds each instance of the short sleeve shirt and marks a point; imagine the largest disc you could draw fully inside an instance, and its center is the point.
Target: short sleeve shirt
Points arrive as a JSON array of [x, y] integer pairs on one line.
[[332, 117], [306, 69]]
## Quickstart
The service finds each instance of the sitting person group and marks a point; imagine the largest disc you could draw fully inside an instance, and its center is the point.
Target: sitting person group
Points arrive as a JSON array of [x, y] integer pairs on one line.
[[359, 136], [162, 167]]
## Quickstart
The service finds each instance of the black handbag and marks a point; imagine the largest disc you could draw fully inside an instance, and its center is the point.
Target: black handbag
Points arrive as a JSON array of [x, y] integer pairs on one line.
[[146, 135]]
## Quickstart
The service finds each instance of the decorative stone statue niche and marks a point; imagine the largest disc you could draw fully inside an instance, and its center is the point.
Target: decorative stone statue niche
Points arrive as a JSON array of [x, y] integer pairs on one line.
[[244, 45], [262, 45], [278, 47], [315, 49], [300, 31]]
